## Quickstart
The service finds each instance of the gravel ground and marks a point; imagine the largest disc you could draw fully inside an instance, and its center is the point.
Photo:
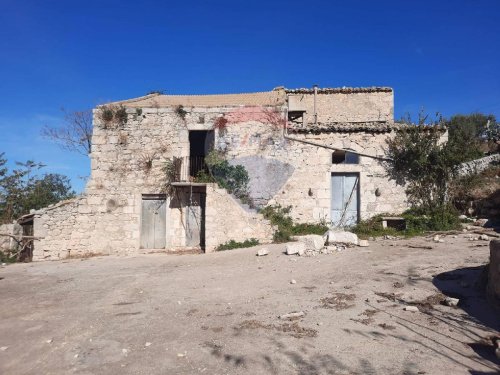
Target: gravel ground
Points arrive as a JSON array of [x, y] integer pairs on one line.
[[219, 313]]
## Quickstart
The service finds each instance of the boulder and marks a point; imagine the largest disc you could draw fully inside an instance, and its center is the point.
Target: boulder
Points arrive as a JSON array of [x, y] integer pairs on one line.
[[295, 248], [313, 242], [334, 237]]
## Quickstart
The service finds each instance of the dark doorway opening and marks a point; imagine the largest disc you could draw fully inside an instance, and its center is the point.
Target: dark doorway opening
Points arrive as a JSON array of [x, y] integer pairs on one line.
[[200, 144]]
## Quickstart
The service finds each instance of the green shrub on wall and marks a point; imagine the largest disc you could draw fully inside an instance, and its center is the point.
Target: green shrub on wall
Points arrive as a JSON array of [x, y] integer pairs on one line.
[[279, 216], [233, 178]]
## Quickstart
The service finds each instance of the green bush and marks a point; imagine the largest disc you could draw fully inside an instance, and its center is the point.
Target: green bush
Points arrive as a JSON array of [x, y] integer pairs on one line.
[[279, 216], [233, 178], [238, 245], [417, 222]]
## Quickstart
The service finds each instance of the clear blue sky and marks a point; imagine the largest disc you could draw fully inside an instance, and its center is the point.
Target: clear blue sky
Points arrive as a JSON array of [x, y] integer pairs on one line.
[[441, 55]]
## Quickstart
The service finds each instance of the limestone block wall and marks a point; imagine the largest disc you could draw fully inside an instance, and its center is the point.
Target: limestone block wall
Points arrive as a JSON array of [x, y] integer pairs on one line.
[[347, 107], [8, 243], [227, 220], [128, 158], [268, 157]]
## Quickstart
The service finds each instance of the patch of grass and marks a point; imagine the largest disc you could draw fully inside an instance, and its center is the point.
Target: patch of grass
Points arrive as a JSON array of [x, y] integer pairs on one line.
[[279, 216], [230, 245], [5, 258], [417, 223]]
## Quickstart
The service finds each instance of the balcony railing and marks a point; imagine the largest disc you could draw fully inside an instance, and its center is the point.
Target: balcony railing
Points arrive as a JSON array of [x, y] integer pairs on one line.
[[189, 167]]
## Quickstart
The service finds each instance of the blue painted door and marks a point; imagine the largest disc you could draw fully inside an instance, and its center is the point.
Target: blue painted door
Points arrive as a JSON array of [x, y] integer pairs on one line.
[[345, 199]]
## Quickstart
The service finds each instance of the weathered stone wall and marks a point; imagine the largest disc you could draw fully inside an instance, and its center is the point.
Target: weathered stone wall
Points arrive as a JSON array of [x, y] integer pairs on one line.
[[227, 220], [268, 157], [493, 288], [478, 165], [7, 243], [128, 158], [352, 107]]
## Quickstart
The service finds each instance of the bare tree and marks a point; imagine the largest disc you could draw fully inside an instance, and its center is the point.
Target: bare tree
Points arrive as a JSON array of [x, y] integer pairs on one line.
[[75, 134]]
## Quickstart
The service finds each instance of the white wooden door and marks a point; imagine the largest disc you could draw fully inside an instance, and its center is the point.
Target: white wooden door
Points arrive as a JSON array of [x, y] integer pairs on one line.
[[345, 196], [153, 222]]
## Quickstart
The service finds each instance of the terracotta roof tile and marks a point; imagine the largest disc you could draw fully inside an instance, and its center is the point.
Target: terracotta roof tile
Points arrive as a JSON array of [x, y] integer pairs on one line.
[[350, 127], [339, 90]]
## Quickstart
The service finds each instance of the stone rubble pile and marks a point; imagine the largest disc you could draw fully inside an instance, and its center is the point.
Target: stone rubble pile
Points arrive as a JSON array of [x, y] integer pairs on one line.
[[330, 243]]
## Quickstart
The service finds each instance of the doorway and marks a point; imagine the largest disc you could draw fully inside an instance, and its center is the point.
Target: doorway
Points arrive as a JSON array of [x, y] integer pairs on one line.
[[153, 221], [345, 199], [200, 144]]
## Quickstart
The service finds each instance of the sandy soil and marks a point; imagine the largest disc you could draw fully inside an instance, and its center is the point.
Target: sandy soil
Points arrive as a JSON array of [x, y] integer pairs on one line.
[[219, 314]]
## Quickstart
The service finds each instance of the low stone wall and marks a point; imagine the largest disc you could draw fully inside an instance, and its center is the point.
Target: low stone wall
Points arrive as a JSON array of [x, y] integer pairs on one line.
[[493, 288], [478, 165], [227, 220], [8, 243]]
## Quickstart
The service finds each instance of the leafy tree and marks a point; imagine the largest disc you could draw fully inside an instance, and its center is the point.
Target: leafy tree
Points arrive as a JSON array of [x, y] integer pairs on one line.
[[421, 161], [23, 189], [75, 134], [467, 132]]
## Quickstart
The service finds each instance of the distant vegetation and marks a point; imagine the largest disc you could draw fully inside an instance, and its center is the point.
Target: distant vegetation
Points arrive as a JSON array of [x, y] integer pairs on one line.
[[22, 189]]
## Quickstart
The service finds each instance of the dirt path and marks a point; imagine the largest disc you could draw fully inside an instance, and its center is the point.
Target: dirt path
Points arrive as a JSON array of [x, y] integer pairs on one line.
[[218, 314]]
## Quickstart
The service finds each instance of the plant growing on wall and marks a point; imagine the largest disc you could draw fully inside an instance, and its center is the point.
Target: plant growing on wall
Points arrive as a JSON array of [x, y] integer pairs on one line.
[[280, 217], [146, 161], [233, 178], [171, 171], [112, 116], [181, 112]]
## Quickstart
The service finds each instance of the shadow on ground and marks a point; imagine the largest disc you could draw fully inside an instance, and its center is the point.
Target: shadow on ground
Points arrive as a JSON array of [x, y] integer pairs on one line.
[[469, 286]]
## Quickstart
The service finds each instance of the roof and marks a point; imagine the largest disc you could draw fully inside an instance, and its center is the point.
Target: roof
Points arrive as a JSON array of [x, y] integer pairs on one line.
[[274, 97], [266, 98], [351, 127], [339, 90]]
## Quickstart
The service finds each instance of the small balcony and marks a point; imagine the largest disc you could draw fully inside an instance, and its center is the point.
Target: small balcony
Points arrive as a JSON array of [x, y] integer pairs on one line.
[[188, 170]]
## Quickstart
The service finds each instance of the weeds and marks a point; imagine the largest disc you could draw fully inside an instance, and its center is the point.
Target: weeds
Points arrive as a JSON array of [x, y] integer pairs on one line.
[[181, 112], [230, 245], [417, 223], [279, 216]]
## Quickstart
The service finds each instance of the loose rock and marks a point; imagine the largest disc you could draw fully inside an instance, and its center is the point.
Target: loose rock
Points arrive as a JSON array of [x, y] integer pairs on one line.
[[293, 281], [344, 237], [262, 252], [363, 243], [484, 237], [411, 308], [292, 315], [313, 242], [295, 248], [453, 302]]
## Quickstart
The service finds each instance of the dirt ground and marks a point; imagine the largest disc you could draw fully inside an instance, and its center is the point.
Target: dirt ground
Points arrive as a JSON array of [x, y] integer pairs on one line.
[[219, 313]]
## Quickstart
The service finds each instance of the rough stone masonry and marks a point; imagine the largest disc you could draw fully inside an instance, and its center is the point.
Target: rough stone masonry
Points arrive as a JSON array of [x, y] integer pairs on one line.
[[291, 142]]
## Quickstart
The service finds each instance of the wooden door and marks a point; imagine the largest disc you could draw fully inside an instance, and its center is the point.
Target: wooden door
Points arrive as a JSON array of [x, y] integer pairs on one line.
[[345, 198], [153, 222]]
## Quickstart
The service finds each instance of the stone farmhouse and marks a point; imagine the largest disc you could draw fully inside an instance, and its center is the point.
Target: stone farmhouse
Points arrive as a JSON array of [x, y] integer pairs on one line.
[[319, 150]]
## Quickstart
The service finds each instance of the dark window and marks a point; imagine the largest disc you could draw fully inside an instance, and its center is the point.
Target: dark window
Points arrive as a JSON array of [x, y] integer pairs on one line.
[[344, 157]]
